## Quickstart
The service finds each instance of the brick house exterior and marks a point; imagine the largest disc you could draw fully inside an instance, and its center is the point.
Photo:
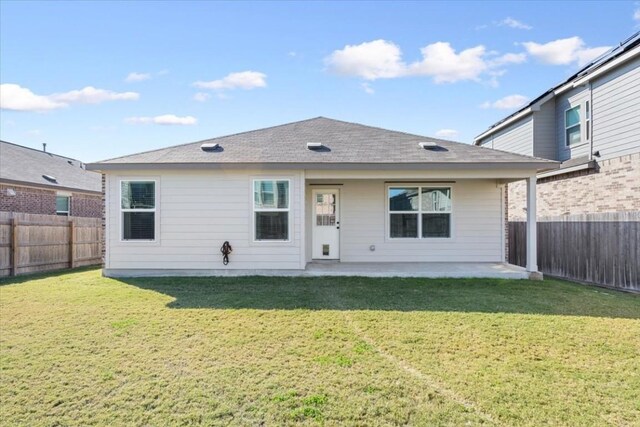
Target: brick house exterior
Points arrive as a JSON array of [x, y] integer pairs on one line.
[[613, 186], [43, 201], [31, 181]]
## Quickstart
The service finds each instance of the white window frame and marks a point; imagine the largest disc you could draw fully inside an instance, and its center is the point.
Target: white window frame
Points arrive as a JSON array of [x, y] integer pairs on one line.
[[566, 128], [419, 211], [68, 211], [255, 209], [587, 120], [122, 210]]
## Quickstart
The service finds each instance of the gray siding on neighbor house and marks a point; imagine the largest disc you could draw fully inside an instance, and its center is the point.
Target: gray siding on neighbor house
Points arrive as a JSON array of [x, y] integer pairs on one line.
[[544, 131], [515, 138], [574, 97], [616, 111]]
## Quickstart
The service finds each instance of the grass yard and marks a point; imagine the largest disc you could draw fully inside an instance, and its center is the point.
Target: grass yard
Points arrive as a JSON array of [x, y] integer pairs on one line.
[[79, 349]]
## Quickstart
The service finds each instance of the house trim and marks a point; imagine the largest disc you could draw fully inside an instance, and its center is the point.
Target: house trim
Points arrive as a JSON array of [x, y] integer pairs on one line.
[[588, 165], [540, 166]]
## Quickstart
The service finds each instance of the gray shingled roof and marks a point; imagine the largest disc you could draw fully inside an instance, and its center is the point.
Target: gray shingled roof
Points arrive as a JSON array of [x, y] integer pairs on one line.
[[344, 143], [25, 165]]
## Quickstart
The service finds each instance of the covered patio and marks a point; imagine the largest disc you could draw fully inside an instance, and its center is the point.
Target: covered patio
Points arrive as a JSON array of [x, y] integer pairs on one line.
[[418, 269]]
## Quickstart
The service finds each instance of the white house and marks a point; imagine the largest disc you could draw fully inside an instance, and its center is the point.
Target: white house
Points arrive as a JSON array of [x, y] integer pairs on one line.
[[291, 197]]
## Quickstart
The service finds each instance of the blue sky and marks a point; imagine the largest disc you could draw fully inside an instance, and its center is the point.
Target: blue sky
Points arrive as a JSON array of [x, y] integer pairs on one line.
[[97, 79]]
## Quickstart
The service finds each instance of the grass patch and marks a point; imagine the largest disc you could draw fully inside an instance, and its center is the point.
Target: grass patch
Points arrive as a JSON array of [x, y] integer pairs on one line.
[[80, 349]]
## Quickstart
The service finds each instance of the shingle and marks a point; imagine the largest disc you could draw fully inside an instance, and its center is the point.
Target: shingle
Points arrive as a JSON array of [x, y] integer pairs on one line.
[[23, 164], [345, 143]]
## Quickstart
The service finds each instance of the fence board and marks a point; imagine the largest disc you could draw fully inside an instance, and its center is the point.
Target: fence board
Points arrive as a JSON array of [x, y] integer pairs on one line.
[[600, 248], [47, 242]]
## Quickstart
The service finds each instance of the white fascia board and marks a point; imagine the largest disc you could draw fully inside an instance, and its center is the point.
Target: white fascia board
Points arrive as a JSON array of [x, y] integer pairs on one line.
[[615, 63]]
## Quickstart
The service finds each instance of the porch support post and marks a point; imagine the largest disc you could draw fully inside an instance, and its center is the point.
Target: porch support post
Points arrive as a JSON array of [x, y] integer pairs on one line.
[[532, 245]]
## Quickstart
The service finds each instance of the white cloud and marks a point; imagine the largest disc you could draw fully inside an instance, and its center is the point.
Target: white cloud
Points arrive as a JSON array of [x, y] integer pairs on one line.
[[564, 51], [636, 14], [137, 77], [509, 58], [201, 97], [166, 119], [514, 23], [18, 98], [510, 102], [441, 62], [246, 80], [370, 60], [447, 133], [367, 88], [381, 59], [34, 132], [91, 95]]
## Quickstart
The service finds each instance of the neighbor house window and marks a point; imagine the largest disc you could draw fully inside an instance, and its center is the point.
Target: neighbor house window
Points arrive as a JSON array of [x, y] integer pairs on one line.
[[587, 120], [63, 203], [419, 212], [138, 206], [271, 209], [572, 126]]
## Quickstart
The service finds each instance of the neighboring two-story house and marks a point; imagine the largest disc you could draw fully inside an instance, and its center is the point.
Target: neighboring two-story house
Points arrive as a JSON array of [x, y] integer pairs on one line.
[[38, 182], [590, 123]]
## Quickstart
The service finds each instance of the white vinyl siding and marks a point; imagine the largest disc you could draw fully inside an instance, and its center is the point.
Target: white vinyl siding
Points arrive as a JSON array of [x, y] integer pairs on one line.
[[615, 112], [197, 212], [476, 231], [516, 138]]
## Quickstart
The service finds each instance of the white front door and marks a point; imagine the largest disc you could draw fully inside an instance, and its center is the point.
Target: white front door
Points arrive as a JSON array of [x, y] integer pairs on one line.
[[326, 224]]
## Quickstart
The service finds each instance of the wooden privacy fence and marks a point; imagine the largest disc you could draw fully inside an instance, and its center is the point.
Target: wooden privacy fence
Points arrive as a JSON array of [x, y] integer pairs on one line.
[[602, 248], [30, 243]]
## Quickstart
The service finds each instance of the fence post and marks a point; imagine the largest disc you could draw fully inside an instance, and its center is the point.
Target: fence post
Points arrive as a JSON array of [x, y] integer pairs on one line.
[[72, 238], [14, 246]]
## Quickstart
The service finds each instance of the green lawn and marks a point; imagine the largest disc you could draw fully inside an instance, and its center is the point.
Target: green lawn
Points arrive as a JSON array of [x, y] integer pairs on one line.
[[79, 349]]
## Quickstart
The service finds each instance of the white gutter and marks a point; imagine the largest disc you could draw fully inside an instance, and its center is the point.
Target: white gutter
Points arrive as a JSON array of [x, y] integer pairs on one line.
[[616, 62]]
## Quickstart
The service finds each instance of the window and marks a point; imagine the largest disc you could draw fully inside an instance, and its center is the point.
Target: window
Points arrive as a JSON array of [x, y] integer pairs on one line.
[[572, 126], [62, 205], [271, 210], [587, 120], [419, 212], [138, 206]]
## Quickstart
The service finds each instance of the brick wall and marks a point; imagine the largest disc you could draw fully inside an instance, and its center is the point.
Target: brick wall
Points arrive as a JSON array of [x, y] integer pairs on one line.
[[614, 186], [86, 205], [27, 200], [41, 201]]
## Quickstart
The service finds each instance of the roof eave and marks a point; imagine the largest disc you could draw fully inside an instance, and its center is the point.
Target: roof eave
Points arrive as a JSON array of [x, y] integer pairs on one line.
[[533, 165], [47, 186]]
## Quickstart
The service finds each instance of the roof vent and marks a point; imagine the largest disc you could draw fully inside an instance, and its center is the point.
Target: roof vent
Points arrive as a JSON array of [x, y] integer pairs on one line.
[[50, 178], [428, 145], [314, 145], [210, 146], [70, 162]]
